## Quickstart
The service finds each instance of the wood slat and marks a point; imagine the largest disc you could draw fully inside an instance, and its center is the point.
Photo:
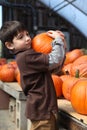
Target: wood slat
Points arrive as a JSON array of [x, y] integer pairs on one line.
[[69, 118]]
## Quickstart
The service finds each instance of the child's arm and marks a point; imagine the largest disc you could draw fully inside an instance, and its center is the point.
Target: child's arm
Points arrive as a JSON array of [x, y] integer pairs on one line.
[[57, 55]]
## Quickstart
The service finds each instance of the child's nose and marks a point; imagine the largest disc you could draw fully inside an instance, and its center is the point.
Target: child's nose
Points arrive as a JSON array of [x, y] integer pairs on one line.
[[28, 38]]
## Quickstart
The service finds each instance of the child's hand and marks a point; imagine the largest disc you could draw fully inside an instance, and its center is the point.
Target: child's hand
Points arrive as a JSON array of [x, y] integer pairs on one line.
[[55, 34]]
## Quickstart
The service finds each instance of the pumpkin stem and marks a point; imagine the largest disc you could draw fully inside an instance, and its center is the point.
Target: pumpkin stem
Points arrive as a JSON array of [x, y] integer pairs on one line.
[[67, 72], [77, 73]]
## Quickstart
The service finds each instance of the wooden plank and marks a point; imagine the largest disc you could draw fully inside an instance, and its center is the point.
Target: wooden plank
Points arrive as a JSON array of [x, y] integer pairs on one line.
[[14, 85], [69, 118], [69, 122]]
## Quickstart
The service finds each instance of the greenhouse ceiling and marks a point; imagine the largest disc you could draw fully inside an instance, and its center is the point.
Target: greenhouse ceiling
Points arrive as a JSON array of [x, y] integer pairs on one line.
[[74, 11]]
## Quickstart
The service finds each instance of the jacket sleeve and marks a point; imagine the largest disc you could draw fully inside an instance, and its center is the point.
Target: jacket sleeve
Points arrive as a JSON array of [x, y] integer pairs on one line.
[[57, 55]]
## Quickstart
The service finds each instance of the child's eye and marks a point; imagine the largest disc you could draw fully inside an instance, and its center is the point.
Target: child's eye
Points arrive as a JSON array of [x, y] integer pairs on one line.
[[20, 36], [27, 33]]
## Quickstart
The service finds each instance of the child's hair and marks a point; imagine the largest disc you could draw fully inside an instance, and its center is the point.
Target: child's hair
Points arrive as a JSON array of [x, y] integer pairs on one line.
[[10, 29]]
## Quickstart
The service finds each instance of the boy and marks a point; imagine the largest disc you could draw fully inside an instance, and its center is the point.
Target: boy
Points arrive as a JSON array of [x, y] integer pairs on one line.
[[36, 81]]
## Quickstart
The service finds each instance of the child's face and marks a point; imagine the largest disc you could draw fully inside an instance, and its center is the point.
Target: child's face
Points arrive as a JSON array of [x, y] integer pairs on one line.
[[22, 41]]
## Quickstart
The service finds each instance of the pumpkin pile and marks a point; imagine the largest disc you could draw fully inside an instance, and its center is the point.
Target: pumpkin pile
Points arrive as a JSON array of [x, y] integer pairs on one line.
[[74, 87]]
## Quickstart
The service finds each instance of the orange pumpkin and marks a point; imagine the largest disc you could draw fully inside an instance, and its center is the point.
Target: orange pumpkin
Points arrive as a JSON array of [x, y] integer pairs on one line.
[[3, 61], [66, 68], [18, 77], [65, 77], [17, 73], [42, 43], [67, 86], [57, 84], [7, 73], [71, 56], [81, 64], [79, 96], [13, 63]]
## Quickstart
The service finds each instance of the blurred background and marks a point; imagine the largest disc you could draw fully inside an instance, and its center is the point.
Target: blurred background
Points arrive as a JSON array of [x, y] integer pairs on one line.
[[69, 16]]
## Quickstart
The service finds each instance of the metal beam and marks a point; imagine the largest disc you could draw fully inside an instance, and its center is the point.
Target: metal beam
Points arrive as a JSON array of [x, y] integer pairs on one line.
[[76, 7]]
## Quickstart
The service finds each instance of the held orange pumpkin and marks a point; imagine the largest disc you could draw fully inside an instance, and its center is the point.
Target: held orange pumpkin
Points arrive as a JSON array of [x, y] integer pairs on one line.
[[42, 43], [57, 84], [79, 97]]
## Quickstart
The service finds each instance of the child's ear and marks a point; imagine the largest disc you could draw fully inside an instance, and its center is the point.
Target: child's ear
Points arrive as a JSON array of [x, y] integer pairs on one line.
[[9, 45]]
